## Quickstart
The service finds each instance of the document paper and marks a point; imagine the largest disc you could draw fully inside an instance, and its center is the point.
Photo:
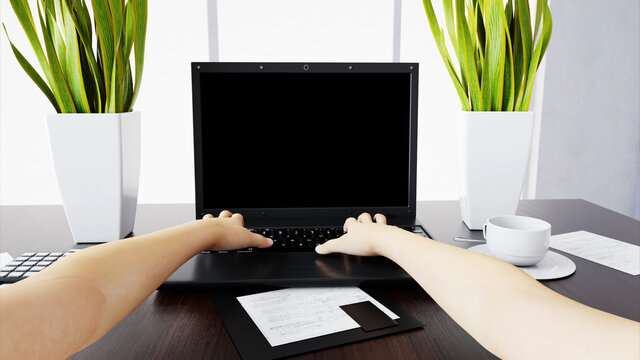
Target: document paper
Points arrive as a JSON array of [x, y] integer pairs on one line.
[[5, 258], [289, 315], [600, 249]]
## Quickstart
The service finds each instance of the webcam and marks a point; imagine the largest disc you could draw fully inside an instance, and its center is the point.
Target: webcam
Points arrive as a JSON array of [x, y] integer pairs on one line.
[[305, 67]]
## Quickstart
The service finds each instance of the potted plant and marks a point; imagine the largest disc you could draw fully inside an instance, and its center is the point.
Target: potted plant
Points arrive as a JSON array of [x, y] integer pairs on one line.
[[94, 135], [498, 52]]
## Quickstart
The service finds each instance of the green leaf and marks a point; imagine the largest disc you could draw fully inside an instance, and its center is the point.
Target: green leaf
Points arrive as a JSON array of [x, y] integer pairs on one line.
[[540, 5], [508, 12], [518, 61], [61, 88], [80, 17], [478, 54], [439, 39], [546, 35], [462, 59], [73, 64], [127, 90], [85, 18], [467, 53], [117, 12], [451, 29], [480, 25], [524, 25], [113, 96], [57, 6], [106, 46], [93, 95], [495, 52], [508, 97], [54, 31], [33, 74], [472, 27], [485, 85], [536, 58], [140, 16], [22, 11], [129, 33]]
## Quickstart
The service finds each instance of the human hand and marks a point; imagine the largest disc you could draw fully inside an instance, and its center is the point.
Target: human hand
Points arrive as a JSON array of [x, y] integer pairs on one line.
[[231, 233], [361, 236]]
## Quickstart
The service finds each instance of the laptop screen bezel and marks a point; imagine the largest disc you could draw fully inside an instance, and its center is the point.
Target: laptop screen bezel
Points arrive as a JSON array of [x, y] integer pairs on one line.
[[197, 68]]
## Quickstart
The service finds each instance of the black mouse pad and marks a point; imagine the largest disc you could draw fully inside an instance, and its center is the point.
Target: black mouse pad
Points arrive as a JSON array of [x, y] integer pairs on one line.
[[251, 344]]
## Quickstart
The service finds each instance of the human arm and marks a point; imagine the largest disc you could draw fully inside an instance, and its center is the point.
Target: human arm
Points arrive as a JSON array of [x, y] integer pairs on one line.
[[77, 299], [504, 309]]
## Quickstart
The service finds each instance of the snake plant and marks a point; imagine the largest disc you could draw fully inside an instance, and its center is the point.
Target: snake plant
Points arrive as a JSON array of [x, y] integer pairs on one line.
[[497, 50], [79, 77]]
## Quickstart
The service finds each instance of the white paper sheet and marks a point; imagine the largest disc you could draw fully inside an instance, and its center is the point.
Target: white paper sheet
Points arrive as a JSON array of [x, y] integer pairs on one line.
[[600, 249], [5, 258], [289, 315]]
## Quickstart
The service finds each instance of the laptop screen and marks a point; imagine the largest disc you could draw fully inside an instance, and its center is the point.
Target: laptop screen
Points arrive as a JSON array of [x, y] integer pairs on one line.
[[305, 139]]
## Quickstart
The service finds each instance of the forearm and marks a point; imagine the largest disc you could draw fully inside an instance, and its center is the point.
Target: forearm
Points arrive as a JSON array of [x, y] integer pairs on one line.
[[103, 284], [136, 265], [507, 311], [466, 287]]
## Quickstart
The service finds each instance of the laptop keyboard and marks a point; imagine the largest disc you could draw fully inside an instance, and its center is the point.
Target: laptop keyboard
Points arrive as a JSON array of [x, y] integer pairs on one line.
[[284, 239], [300, 239]]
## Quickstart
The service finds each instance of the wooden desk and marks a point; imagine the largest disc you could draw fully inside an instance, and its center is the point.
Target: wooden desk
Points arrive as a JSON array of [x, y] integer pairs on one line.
[[185, 325]]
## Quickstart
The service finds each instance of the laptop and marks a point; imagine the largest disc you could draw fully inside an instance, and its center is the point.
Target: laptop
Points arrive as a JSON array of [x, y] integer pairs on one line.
[[297, 148]]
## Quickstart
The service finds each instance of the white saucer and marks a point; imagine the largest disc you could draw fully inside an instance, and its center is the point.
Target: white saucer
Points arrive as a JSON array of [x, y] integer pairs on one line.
[[553, 266]]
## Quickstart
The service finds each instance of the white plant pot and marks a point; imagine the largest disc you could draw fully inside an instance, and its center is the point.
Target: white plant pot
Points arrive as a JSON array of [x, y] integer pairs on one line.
[[493, 157], [97, 162]]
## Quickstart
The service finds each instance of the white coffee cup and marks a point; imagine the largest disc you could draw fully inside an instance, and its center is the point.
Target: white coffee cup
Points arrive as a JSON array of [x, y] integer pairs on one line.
[[519, 240]]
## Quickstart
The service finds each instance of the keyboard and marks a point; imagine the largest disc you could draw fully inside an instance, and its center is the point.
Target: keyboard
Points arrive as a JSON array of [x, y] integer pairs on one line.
[[30, 263], [300, 239], [284, 239]]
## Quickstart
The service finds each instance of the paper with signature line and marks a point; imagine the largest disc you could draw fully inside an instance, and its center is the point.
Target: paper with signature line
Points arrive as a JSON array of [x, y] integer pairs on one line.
[[289, 315], [600, 249]]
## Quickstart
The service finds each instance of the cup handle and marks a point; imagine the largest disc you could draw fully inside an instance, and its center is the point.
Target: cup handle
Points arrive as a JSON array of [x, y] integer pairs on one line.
[[484, 231]]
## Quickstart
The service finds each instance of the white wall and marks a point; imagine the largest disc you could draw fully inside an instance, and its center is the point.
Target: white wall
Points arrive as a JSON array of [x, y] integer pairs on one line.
[[250, 30], [590, 141]]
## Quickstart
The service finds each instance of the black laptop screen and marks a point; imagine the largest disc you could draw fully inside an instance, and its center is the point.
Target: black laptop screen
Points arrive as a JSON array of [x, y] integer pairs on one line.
[[305, 140]]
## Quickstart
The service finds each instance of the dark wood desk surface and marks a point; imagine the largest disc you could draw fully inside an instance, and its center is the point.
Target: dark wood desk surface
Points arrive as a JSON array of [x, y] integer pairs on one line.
[[185, 325]]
